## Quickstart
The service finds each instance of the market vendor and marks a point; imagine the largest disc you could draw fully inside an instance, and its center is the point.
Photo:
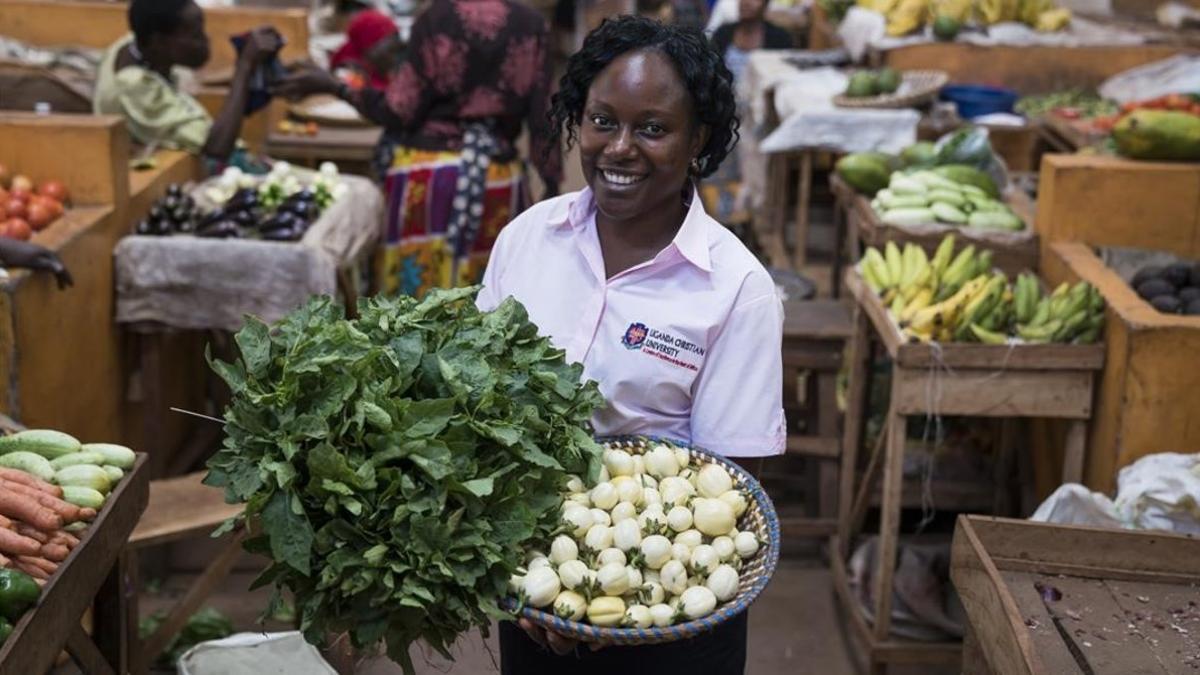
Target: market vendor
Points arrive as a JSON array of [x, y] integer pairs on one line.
[[137, 81], [666, 309], [372, 50], [477, 71]]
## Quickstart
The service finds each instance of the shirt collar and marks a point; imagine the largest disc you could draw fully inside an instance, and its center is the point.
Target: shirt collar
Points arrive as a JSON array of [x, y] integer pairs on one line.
[[691, 240]]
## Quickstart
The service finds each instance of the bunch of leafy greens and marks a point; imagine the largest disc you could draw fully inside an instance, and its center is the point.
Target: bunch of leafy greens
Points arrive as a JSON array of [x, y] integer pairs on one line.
[[394, 466]]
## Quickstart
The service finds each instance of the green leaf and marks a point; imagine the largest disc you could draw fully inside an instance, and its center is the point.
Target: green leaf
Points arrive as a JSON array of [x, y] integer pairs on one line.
[[289, 533], [480, 487]]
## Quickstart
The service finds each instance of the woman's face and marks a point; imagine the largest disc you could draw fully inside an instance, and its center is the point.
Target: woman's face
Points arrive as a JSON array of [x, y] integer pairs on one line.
[[638, 137], [188, 44], [751, 9]]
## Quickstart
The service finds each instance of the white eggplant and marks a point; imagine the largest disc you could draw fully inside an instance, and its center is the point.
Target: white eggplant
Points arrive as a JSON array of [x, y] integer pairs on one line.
[[598, 538], [713, 481], [673, 577], [623, 511], [713, 517], [600, 517], [704, 560], [604, 496], [613, 579], [689, 538], [570, 605], [618, 463], [572, 573], [638, 616], [661, 463], [662, 615], [736, 501], [725, 549], [606, 611], [611, 555], [627, 536], [563, 549], [698, 602], [541, 587], [746, 544], [723, 582], [656, 551], [679, 518]]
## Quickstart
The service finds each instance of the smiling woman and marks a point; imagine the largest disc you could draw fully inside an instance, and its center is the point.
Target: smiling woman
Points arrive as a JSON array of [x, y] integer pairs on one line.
[[678, 323]]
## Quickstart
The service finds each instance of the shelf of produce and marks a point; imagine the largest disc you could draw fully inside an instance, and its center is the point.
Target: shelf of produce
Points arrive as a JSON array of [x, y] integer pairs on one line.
[[1014, 252], [54, 623], [1044, 599], [1148, 398], [976, 380]]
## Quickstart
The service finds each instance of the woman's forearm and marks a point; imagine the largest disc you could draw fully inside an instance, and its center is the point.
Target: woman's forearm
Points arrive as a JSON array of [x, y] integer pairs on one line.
[[227, 126]]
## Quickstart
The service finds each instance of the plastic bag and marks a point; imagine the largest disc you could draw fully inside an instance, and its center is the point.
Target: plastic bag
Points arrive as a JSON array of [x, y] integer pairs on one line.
[[970, 145]]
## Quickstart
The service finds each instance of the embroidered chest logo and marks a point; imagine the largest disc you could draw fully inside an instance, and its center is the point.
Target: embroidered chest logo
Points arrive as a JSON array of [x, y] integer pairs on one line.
[[634, 336], [663, 346]]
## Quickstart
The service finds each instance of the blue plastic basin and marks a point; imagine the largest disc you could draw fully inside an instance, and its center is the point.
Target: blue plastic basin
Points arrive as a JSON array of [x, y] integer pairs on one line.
[[974, 100]]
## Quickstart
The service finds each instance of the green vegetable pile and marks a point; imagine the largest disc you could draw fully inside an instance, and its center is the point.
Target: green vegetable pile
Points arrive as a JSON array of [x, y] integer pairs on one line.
[[399, 462]]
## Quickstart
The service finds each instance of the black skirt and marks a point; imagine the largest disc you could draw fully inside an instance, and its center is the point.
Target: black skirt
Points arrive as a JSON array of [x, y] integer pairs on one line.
[[719, 652]]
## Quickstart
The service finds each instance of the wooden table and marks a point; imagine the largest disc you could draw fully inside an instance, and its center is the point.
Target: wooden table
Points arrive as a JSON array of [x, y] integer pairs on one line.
[[1046, 381], [1046, 599], [349, 147], [87, 575]]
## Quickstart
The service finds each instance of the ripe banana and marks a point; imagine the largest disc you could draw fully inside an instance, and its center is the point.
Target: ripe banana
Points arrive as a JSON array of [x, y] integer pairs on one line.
[[921, 300], [873, 260], [895, 264]]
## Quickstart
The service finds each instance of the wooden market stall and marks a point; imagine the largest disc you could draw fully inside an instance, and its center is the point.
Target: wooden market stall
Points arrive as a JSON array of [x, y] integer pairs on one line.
[[62, 23], [1046, 599], [1149, 393], [88, 575], [1005, 382]]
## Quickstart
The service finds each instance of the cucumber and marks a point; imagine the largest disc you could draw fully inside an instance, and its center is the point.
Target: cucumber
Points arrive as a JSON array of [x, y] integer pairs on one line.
[[933, 181], [904, 202], [45, 442], [903, 185], [995, 220], [968, 189], [84, 475], [948, 214], [31, 463], [114, 474], [986, 204], [114, 455], [83, 496], [952, 197], [93, 458], [908, 217]]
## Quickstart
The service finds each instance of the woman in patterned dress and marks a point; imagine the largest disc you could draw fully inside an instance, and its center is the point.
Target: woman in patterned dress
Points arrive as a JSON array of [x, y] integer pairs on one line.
[[476, 73]]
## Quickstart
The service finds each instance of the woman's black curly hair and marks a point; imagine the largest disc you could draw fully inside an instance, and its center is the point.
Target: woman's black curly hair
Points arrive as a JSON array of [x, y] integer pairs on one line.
[[699, 65]]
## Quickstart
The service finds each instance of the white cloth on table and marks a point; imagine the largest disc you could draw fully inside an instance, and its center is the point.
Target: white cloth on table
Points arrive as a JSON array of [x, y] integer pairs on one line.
[[1178, 74]]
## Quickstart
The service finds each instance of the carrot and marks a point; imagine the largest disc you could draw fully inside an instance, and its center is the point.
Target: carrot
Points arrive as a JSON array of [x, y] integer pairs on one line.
[[55, 552], [32, 570], [33, 533], [69, 512], [32, 481], [15, 544], [47, 566], [22, 507]]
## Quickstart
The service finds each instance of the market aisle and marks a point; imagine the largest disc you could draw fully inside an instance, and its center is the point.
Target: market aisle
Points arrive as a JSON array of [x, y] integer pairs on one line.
[[793, 630]]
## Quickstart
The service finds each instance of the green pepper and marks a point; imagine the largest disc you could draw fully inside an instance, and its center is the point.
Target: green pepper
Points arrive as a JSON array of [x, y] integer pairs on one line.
[[18, 592], [5, 630]]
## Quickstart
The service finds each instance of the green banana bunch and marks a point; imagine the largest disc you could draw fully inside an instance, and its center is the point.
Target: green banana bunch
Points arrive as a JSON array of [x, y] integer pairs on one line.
[[1027, 292]]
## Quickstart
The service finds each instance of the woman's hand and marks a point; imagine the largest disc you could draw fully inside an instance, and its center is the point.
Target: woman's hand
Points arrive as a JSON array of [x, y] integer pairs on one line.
[[555, 642], [305, 81], [262, 43], [15, 253]]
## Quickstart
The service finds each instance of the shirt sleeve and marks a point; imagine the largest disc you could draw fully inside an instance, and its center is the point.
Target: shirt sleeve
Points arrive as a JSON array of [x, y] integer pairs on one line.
[[737, 407], [156, 113], [405, 103], [492, 294]]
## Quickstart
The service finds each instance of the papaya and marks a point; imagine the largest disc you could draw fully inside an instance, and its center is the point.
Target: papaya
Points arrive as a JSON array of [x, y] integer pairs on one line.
[[1159, 135], [968, 175], [867, 172]]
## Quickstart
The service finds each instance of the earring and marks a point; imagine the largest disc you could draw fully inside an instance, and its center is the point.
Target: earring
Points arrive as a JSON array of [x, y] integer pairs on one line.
[[695, 165]]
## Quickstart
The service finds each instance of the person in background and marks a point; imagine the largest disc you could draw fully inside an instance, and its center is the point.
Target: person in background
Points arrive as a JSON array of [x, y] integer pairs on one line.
[[372, 51], [475, 73], [137, 81], [735, 41]]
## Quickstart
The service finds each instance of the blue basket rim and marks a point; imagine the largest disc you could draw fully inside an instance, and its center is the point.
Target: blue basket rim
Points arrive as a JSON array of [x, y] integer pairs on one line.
[[687, 629]]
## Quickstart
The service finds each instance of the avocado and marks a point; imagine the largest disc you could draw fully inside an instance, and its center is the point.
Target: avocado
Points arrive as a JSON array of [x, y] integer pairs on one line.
[[1178, 274], [1155, 288], [1193, 308], [946, 28], [888, 81], [921, 153], [1188, 293], [1167, 304], [1146, 274], [862, 84]]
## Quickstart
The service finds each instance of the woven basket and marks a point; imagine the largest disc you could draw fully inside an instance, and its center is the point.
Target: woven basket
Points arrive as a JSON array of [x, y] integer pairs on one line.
[[756, 572], [918, 87]]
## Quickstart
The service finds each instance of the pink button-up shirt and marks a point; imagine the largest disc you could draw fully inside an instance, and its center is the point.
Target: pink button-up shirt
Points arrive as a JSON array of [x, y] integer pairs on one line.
[[685, 346]]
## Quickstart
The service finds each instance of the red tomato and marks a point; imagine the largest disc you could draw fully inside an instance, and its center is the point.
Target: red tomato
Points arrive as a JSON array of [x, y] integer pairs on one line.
[[16, 208], [39, 217], [18, 229], [3, 212], [19, 193], [53, 189], [54, 207]]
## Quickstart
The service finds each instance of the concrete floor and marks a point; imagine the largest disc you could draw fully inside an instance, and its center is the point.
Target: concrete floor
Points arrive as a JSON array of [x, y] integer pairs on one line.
[[794, 626]]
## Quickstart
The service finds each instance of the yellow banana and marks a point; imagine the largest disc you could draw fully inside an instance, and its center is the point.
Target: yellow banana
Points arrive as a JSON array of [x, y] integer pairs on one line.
[[895, 265], [921, 300], [874, 261]]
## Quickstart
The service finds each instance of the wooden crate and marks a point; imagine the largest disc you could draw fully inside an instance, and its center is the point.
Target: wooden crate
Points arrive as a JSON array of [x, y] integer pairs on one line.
[[1047, 599], [1111, 201], [1027, 69], [54, 623], [57, 23], [1149, 394], [866, 228]]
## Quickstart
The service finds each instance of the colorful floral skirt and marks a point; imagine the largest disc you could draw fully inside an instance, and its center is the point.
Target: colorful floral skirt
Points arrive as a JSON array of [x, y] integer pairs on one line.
[[417, 252]]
